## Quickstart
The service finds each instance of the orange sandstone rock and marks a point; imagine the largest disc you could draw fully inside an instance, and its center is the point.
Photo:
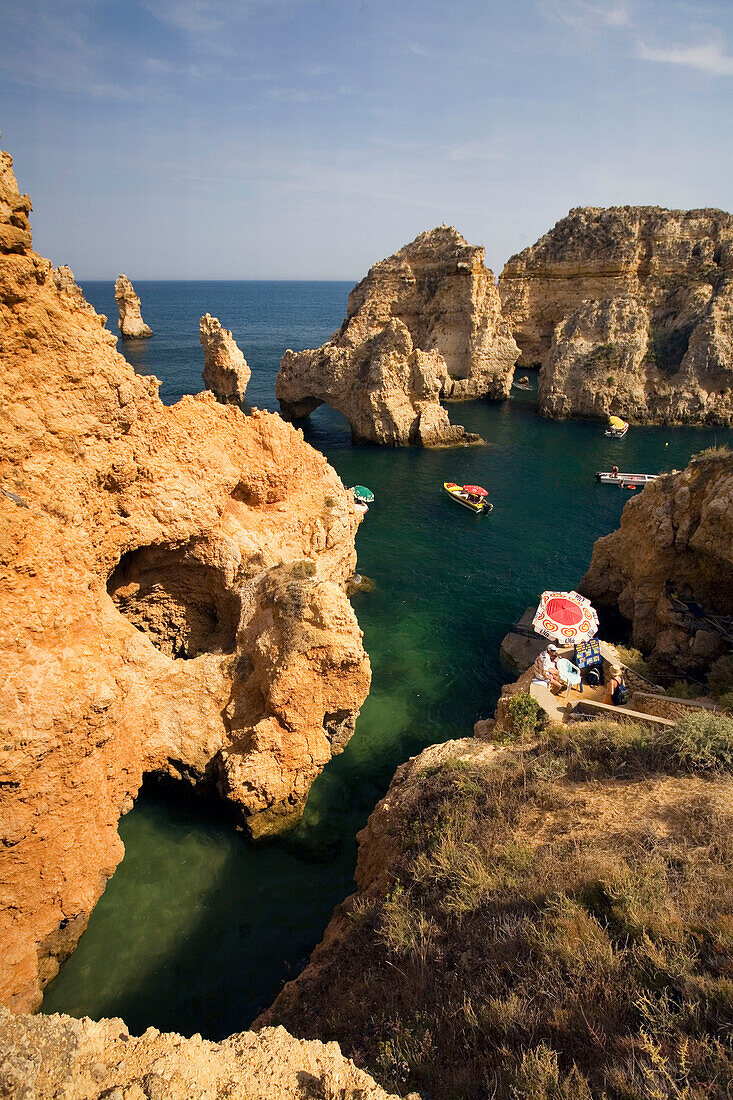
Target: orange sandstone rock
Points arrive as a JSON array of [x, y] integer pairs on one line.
[[173, 601]]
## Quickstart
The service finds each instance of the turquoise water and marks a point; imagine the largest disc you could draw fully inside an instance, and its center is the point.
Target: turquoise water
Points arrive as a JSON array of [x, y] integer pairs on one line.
[[198, 929]]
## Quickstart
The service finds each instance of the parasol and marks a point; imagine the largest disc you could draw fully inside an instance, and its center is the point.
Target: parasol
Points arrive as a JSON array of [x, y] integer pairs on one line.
[[565, 617], [362, 493], [616, 422], [475, 490]]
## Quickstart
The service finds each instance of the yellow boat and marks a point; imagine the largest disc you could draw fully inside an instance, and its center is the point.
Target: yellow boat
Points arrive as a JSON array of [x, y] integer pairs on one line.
[[617, 428], [472, 497]]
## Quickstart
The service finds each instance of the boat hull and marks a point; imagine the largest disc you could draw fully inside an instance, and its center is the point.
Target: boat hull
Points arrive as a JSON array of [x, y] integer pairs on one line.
[[480, 508], [624, 481]]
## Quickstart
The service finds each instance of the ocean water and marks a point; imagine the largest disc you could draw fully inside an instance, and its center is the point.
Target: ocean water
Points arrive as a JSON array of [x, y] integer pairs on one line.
[[198, 929]]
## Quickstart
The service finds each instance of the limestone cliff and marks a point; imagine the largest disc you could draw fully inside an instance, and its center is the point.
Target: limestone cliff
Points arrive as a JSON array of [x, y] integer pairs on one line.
[[15, 230], [677, 535], [130, 324], [423, 325], [226, 372], [629, 311], [47, 1057], [173, 601]]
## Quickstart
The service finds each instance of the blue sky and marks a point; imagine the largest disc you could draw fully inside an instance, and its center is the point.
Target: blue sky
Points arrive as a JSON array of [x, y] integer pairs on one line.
[[310, 138]]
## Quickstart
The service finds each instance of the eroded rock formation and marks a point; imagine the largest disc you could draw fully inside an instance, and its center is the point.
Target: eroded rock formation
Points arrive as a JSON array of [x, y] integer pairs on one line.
[[174, 602], [423, 325], [130, 324], [15, 230], [46, 1057], [675, 536], [226, 372], [629, 311]]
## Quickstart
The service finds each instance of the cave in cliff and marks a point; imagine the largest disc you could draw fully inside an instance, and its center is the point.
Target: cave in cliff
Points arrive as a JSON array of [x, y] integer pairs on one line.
[[181, 603]]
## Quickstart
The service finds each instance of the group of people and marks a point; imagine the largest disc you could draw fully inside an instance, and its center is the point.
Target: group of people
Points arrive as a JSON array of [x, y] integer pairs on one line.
[[546, 670]]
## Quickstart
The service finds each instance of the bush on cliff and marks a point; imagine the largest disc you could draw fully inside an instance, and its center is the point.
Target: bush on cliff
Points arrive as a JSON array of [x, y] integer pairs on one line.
[[526, 951]]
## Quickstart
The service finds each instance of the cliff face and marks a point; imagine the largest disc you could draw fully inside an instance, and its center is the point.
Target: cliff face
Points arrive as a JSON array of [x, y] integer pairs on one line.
[[629, 310], [174, 584], [424, 324], [45, 1057], [226, 372], [130, 324], [677, 535]]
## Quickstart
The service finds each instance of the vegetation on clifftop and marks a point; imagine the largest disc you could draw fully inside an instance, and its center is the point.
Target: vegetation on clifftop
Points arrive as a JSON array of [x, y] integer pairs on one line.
[[559, 924]]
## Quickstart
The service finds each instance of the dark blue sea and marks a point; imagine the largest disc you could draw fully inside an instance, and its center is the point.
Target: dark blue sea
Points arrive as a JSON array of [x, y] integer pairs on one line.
[[198, 929]]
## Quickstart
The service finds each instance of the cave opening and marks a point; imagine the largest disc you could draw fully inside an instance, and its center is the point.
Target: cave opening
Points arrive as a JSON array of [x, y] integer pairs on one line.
[[181, 603]]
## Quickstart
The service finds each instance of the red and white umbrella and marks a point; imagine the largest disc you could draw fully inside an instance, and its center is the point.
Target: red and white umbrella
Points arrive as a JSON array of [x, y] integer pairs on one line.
[[565, 617]]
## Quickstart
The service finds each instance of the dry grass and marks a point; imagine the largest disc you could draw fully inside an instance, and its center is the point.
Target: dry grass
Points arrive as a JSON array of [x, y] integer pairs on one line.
[[537, 943]]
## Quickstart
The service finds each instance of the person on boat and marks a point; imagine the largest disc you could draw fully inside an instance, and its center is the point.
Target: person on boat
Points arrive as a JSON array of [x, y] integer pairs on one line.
[[616, 690], [614, 471], [545, 668]]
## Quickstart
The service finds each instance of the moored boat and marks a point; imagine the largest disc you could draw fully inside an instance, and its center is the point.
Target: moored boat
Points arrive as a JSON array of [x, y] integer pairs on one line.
[[472, 497], [624, 481], [617, 428]]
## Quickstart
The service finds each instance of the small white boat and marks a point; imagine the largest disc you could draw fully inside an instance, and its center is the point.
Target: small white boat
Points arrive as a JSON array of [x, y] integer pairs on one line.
[[624, 481]]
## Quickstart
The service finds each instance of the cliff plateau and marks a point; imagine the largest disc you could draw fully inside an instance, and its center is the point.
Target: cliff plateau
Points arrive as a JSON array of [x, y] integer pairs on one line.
[[173, 602], [423, 325], [629, 311], [674, 537], [226, 372]]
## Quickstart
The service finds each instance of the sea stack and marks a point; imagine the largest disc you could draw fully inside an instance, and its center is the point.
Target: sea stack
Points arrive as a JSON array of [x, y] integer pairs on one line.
[[226, 372], [175, 604], [130, 324], [628, 311], [423, 325]]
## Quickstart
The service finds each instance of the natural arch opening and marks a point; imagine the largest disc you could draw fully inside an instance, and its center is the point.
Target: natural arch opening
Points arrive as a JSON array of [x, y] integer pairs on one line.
[[182, 604]]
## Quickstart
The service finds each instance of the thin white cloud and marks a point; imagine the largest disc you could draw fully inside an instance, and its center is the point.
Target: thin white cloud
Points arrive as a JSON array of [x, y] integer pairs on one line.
[[709, 57], [475, 151], [583, 15]]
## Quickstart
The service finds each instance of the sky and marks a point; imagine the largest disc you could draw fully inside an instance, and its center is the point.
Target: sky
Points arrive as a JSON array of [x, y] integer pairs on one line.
[[307, 139]]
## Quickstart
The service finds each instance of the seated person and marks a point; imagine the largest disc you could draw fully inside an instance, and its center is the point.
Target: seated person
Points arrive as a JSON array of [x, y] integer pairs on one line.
[[545, 669]]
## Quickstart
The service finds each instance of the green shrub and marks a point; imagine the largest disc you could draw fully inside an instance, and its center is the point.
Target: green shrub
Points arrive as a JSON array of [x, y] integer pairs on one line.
[[634, 659], [680, 689], [610, 381], [525, 715], [726, 700], [701, 741]]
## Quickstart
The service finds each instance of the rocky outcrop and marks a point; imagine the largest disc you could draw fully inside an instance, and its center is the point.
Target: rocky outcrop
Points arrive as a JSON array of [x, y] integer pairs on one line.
[[174, 602], [629, 311], [15, 230], [46, 1057], [674, 537], [226, 372], [424, 325], [130, 324], [488, 924]]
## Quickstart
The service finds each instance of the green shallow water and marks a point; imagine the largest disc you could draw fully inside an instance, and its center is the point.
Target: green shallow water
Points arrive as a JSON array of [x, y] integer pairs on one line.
[[198, 929]]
